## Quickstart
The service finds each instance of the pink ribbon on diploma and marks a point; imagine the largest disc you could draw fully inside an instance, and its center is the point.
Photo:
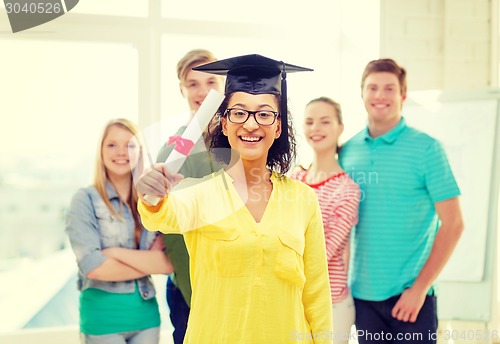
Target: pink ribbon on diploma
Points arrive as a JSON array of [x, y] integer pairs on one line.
[[182, 145]]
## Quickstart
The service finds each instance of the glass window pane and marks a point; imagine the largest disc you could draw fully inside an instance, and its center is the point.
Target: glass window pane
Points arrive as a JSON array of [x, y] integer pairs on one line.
[[131, 8], [56, 97], [257, 11]]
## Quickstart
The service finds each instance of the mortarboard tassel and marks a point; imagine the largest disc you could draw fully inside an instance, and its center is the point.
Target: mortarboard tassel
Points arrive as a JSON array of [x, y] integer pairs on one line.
[[284, 108]]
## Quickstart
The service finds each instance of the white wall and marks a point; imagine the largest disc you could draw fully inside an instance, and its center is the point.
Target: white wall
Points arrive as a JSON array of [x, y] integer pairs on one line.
[[445, 44]]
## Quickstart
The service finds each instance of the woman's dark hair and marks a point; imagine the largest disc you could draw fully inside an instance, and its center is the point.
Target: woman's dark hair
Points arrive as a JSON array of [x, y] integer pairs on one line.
[[281, 154]]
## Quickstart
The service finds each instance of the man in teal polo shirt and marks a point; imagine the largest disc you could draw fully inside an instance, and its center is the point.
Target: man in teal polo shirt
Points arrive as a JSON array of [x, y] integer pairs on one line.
[[409, 216]]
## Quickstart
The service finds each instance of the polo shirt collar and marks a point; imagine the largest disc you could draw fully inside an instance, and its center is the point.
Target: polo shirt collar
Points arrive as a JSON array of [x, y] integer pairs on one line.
[[391, 135]]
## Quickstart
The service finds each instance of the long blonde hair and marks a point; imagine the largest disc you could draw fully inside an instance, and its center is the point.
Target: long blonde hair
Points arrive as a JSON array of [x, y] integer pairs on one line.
[[101, 175]]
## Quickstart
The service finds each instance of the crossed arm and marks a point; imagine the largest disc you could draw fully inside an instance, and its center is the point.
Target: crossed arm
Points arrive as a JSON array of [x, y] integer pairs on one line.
[[125, 264]]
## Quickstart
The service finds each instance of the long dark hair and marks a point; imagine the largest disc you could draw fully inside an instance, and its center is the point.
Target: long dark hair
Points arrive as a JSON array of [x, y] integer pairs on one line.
[[281, 155]]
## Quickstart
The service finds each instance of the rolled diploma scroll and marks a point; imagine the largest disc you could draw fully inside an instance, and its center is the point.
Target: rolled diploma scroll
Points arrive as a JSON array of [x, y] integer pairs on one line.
[[191, 135]]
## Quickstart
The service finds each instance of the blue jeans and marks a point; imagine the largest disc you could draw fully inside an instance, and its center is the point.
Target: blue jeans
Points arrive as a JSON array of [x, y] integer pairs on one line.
[[179, 311], [148, 336], [375, 324]]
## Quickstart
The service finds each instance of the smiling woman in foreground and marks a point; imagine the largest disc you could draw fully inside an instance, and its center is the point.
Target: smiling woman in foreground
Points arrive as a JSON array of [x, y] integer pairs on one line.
[[255, 237]]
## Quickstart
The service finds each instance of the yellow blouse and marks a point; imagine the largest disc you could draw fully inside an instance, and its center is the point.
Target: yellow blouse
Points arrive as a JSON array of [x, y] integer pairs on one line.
[[252, 282]]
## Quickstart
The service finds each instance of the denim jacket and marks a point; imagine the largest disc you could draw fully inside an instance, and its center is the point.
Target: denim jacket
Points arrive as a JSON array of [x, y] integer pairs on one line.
[[91, 227]]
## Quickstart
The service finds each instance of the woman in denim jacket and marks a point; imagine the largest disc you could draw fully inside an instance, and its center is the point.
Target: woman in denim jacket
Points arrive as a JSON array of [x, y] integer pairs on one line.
[[115, 254]]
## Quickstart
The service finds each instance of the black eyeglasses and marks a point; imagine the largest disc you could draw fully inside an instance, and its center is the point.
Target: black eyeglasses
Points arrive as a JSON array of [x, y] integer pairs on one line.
[[262, 117]]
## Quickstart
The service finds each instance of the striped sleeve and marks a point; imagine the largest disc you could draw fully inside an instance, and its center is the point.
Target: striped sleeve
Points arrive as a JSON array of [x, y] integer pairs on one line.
[[340, 206]]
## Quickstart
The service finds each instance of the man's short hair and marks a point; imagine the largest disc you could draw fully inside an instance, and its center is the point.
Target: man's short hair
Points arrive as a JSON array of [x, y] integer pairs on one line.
[[385, 65], [192, 59]]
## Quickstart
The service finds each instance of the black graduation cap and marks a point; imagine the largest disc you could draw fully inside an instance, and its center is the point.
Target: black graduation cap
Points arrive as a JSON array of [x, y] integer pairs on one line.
[[255, 74]]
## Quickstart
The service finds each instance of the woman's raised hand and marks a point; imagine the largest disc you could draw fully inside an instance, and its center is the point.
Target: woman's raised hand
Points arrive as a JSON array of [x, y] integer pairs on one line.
[[156, 181]]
